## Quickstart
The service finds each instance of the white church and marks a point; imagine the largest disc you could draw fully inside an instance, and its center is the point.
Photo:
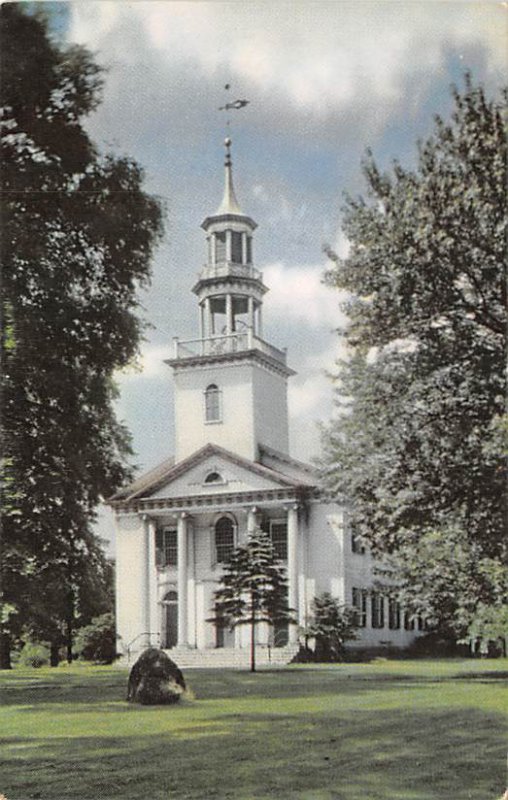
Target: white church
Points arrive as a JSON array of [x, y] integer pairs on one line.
[[231, 473]]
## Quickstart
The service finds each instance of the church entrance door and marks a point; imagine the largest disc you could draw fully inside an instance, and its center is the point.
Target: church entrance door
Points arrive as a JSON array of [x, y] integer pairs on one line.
[[169, 620]]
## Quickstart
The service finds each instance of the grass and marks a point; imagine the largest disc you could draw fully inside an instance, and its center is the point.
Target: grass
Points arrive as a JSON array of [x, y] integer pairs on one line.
[[389, 730]]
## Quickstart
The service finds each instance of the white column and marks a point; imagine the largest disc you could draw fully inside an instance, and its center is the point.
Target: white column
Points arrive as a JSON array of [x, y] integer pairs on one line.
[[292, 522], [251, 520], [250, 311], [145, 584], [260, 323], [202, 320], [228, 245], [229, 314], [244, 247], [208, 319], [182, 578], [302, 589], [191, 586]]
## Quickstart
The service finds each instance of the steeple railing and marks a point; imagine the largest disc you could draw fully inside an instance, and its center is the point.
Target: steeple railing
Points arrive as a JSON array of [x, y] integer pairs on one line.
[[227, 344], [226, 268]]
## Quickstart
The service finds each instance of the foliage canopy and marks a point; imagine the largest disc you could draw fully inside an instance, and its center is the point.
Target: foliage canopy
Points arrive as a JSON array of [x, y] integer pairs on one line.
[[417, 444], [78, 235]]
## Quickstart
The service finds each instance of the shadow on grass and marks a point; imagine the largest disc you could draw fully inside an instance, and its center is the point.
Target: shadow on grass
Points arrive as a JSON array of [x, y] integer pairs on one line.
[[402, 755], [483, 677], [112, 687]]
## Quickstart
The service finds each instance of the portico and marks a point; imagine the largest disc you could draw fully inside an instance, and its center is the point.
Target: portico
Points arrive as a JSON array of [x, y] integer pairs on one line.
[[187, 539]]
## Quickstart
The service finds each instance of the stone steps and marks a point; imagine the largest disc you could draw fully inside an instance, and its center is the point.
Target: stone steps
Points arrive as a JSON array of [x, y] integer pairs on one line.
[[224, 657]]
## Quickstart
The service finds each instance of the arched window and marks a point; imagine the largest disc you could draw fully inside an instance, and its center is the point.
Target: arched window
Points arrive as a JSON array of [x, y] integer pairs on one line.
[[224, 539], [214, 477], [212, 403]]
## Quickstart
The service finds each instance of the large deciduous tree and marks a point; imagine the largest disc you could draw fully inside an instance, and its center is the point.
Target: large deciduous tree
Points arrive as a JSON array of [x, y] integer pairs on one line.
[[253, 589], [78, 235], [416, 448]]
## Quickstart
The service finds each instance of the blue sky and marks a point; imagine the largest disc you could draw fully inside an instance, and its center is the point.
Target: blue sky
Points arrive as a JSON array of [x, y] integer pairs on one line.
[[325, 81]]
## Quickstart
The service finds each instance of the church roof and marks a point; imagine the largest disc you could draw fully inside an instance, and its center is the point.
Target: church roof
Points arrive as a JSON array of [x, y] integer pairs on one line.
[[168, 471], [269, 453], [144, 481]]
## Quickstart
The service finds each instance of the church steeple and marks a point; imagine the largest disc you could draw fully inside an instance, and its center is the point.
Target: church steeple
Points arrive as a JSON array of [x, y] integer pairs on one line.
[[230, 384], [229, 203], [230, 289]]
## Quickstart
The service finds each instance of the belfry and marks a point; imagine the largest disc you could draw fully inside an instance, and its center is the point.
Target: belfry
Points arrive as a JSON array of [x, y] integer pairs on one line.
[[232, 473]]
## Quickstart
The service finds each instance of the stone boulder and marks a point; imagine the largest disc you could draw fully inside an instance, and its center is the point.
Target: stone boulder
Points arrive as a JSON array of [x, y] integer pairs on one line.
[[155, 679]]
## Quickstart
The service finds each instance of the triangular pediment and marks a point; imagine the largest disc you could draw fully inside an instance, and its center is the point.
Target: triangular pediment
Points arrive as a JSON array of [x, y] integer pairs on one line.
[[210, 470]]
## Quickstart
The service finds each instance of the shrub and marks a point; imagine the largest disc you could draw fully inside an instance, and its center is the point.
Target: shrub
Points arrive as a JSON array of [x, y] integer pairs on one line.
[[34, 655], [331, 626], [97, 641]]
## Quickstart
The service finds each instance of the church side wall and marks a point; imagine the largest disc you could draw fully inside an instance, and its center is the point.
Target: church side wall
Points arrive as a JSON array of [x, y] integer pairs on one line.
[[130, 579], [335, 568], [270, 409], [324, 550]]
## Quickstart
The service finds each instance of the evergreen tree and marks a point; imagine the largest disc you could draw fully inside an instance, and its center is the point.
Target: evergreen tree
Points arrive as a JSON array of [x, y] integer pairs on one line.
[[78, 235], [253, 589], [416, 447]]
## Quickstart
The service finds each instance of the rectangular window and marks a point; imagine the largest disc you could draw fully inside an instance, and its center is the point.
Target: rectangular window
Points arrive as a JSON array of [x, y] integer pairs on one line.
[[360, 605], [249, 250], [220, 246], [279, 537], [409, 621], [377, 609], [393, 614], [236, 247], [166, 548], [357, 545]]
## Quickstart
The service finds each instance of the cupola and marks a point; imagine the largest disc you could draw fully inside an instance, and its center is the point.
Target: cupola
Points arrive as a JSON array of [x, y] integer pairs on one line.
[[229, 289]]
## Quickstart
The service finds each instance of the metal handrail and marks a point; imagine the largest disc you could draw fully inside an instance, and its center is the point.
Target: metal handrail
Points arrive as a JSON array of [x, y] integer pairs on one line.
[[144, 633]]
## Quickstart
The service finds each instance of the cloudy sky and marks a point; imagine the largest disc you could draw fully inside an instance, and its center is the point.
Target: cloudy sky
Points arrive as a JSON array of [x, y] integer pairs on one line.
[[325, 81]]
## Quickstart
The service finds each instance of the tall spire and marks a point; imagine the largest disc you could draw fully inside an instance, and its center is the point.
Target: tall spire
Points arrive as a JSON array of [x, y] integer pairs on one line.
[[229, 204]]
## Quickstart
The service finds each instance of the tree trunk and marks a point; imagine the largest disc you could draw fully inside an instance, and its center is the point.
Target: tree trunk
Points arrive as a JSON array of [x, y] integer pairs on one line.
[[70, 603], [5, 651], [253, 644], [54, 657], [69, 637]]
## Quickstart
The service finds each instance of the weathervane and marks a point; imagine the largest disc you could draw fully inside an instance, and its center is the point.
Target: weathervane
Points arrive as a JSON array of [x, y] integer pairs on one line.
[[230, 106]]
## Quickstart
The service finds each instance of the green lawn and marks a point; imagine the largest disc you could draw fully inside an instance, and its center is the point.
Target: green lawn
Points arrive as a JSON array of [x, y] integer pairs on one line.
[[395, 730]]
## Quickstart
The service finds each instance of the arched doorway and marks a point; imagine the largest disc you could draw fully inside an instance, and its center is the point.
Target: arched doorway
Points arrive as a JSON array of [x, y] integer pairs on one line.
[[169, 626]]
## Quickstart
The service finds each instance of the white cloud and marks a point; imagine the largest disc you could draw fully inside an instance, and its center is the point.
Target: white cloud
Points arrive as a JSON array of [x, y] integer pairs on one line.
[[297, 294], [320, 56], [150, 364]]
